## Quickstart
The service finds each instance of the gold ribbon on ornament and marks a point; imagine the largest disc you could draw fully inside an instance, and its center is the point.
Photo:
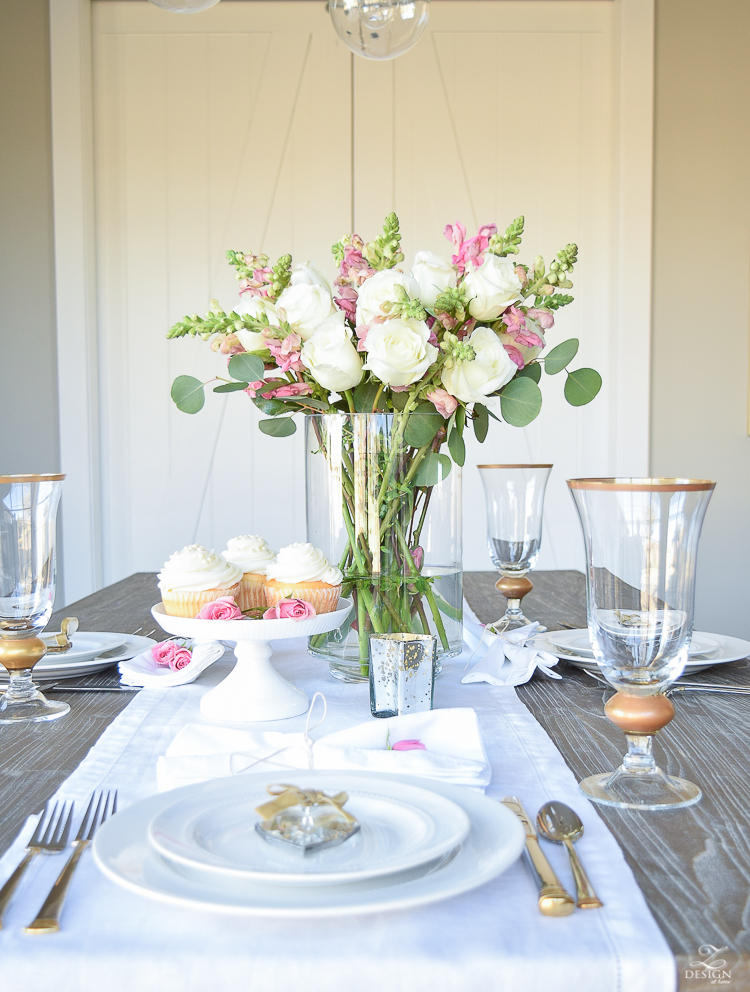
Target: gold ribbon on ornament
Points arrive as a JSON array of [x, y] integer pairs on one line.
[[292, 795]]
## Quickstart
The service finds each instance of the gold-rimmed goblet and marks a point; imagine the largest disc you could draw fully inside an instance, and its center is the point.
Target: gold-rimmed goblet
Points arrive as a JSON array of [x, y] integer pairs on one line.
[[514, 496], [641, 538], [28, 514]]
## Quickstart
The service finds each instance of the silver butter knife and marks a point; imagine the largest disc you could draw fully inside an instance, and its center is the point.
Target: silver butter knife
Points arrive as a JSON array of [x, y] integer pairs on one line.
[[553, 899]]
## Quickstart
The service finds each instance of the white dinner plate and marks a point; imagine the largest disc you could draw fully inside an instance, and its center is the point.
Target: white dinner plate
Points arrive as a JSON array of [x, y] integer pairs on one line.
[[577, 642], [213, 832], [59, 666], [729, 649], [123, 853]]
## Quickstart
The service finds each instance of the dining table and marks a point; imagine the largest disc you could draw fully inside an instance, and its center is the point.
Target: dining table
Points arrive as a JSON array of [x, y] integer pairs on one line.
[[692, 865]]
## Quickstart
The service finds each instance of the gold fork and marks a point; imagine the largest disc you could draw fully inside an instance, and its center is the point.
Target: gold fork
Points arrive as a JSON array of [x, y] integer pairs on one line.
[[48, 918]]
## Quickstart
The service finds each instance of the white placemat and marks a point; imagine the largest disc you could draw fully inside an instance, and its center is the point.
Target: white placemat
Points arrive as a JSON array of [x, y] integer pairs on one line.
[[493, 938]]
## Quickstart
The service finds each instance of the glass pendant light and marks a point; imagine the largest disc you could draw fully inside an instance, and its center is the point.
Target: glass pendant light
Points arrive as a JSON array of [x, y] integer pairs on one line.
[[184, 6], [379, 29]]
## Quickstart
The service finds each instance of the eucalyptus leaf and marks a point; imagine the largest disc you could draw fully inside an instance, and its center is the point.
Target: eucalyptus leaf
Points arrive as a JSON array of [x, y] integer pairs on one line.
[[282, 427], [230, 387], [187, 393], [520, 401], [582, 386], [433, 468], [532, 371], [460, 419], [481, 422], [423, 425], [270, 407], [310, 401], [561, 356], [246, 367], [399, 400], [457, 447], [364, 397]]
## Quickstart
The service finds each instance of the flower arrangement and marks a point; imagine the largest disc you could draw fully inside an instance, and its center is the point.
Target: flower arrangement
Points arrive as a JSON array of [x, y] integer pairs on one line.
[[431, 347]]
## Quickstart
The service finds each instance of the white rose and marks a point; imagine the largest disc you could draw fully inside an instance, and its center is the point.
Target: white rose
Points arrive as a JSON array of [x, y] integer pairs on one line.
[[308, 275], [380, 289], [492, 367], [434, 275], [331, 357], [492, 287], [398, 351], [255, 306], [306, 307]]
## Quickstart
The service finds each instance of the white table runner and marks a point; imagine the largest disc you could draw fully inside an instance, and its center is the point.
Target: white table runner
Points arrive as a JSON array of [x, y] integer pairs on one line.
[[492, 939]]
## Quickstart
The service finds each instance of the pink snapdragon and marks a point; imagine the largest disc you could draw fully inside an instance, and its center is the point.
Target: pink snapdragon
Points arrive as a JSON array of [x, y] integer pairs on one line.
[[286, 352], [347, 301], [471, 249], [444, 403], [408, 745], [516, 326], [291, 389], [259, 283], [355, 268], [290, 609], [515, 355], [544, 318], [253, 387], [223, 608], [229, 345]]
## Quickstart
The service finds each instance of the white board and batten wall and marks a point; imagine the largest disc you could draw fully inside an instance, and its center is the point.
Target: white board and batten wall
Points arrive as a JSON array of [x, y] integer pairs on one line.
[[250, 126]]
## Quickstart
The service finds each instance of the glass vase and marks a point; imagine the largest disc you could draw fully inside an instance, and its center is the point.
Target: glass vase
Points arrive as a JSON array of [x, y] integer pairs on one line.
[[387, 511]]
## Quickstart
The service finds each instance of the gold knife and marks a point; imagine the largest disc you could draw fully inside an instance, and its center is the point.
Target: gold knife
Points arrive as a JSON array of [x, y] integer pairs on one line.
[[553, 899]]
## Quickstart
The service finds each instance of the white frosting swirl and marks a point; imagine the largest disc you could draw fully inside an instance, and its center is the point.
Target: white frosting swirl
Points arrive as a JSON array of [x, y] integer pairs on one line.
[[249, 553], [303, 563], [194, 570]]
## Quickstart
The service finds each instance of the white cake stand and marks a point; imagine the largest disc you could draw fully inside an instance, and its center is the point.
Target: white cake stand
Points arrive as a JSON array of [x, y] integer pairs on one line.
[[253, 691]]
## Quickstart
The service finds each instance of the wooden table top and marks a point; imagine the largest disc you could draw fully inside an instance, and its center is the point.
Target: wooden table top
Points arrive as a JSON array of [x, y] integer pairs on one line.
[[692, 865]]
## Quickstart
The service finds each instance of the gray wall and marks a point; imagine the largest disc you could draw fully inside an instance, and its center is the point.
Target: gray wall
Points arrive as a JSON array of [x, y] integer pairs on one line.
[[28, 364], [701, 300]]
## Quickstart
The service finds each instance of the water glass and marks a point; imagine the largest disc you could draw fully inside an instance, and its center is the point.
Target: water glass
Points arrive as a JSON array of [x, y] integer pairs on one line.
[[28, 513], [514, 496], [641, 539]]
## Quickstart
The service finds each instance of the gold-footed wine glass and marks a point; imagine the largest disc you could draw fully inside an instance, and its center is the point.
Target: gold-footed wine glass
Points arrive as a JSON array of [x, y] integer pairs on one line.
[[641, 538], [28, 514], [514, 495]]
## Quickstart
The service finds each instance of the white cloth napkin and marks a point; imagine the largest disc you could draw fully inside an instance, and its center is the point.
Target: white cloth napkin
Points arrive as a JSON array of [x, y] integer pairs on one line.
[[506, 659], [454, 750], [144, 671]]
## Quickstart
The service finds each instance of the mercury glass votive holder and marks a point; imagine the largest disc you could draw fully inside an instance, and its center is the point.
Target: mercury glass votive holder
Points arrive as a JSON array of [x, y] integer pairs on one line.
[[402, 673]]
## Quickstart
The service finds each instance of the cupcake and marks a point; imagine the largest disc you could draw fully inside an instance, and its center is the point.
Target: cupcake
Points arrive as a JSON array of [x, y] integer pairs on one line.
[[301, 571], [193, 577], [251, 555]]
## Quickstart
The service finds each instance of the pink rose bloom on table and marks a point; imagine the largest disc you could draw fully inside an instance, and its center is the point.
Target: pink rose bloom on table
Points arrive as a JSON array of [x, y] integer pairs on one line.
[[164, 652], [408, 745], [290, 609], [223, 608], [181, 659]]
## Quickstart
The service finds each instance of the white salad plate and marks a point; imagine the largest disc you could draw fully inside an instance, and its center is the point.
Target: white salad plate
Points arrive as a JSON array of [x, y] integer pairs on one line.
[[107, 650], [212, 832], [728, 649], [496, 838], [578, 642]]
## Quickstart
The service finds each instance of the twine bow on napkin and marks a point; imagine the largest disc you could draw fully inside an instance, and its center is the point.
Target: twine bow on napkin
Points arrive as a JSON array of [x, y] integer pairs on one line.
[[292, 795]]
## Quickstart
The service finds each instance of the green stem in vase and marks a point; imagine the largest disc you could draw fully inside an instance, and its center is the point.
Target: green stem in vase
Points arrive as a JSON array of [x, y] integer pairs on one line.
[[428, 589], [364, 658]]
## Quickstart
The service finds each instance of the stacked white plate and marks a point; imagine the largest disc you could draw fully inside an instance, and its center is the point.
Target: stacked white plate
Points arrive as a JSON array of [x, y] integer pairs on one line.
[[574, 646], [419, 841], [90, 653]]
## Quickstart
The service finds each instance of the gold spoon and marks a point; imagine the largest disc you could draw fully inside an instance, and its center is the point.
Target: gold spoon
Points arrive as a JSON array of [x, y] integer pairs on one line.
[[562, 825]]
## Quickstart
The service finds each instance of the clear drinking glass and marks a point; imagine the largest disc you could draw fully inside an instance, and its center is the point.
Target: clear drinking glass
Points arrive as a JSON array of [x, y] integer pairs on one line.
[[514, 495], [641, 538], [28, 512]]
